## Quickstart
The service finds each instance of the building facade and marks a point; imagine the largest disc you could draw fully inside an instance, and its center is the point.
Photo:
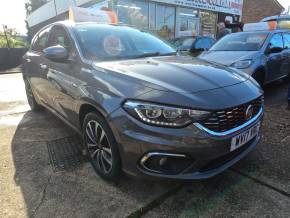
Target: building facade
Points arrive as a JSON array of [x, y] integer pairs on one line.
[[256, 10], [177, 18], [167, 18]]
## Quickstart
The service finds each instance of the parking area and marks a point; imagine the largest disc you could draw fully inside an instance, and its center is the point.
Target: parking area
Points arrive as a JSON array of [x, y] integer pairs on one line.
[[39, 180]]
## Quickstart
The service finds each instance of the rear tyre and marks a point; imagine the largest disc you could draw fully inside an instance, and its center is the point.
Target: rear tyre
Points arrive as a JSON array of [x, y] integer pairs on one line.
[[259, 76], [101, 147], [30, 97]]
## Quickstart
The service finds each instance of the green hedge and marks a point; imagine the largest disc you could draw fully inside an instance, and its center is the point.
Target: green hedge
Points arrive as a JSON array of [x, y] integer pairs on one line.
[[13, 43]]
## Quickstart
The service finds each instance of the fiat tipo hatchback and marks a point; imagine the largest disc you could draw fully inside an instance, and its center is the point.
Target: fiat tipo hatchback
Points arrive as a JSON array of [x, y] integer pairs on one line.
[[140, 106]]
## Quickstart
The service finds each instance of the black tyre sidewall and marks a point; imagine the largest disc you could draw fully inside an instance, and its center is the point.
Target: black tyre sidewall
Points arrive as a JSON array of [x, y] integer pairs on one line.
[[31, 99], [115, 172], [259, 76]]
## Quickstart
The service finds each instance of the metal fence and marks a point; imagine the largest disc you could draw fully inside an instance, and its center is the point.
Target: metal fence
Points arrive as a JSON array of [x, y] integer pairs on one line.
[[11, 57], [12, 48]]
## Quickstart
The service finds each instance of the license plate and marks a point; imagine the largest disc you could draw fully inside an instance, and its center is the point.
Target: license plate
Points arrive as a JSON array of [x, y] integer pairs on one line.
[[241, 139]]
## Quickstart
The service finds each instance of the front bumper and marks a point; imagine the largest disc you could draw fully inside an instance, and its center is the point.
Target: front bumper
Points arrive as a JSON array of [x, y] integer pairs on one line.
[[189, 153]]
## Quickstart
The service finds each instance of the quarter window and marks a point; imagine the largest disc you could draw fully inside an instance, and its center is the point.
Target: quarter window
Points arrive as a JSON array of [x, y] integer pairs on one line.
[[276, 41]]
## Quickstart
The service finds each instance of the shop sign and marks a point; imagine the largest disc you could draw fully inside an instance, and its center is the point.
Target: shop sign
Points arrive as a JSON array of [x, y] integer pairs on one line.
[[225, 6], [78, 14]]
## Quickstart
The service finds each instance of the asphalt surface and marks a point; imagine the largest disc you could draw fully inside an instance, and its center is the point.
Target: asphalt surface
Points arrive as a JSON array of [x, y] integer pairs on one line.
[[258, 186]]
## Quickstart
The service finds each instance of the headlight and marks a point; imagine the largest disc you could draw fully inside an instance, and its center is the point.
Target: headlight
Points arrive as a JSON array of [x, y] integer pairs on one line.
[[160, 115], [242, 64]]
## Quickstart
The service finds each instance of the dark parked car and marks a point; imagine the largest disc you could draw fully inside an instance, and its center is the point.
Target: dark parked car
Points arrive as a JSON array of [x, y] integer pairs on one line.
[[139, 106], [265, 55], [195, 45]]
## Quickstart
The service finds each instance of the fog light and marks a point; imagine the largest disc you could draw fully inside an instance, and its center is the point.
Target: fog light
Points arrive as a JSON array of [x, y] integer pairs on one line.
[[165, 163]]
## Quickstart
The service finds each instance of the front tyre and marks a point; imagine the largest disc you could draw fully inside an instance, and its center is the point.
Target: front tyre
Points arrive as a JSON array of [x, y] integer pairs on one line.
[[259, 76], [30, 97], [101, 147]]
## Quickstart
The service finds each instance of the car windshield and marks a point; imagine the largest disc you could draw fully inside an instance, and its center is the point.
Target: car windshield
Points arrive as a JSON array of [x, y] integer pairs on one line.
[[109, 42], [241, 42]]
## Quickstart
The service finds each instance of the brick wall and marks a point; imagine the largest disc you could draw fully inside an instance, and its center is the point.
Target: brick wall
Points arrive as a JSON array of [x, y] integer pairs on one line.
[[255, 10]]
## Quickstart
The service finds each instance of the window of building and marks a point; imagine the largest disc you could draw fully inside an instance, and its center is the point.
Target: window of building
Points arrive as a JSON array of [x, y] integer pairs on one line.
[[135, 13], [208, 22], [165, 21], [152, 19], [40, 42]]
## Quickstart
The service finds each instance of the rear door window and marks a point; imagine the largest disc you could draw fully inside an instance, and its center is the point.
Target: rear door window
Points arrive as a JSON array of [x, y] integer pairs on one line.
[[276, 41], [286, 37]]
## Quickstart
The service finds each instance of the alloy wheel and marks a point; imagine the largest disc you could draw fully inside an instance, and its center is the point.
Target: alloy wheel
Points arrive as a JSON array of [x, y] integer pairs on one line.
[[98, 146]]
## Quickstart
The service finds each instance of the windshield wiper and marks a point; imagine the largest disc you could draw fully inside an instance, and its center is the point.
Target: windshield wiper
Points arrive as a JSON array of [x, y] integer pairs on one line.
[[149, 54], [154, 54]]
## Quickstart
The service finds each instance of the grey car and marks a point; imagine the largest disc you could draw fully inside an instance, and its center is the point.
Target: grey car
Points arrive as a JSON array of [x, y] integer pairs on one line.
[[265, 55], [140, 107]]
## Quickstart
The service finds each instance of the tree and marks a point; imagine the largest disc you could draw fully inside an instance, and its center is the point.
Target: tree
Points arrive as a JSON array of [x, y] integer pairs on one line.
[[13, 38]]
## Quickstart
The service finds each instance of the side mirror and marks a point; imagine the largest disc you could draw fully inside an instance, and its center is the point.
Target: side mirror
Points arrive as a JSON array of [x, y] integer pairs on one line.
[[56, 53], [274, 50]]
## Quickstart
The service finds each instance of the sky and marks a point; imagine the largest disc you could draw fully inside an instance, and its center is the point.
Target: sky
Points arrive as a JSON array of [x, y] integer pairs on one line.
[[12, 13]]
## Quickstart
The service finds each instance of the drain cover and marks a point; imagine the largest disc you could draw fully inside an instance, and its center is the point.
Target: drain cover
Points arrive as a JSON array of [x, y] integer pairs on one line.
[[65, 153]]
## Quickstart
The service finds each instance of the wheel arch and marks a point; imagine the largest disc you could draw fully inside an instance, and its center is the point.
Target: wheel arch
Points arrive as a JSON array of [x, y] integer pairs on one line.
[[87, 107], [263, 75]]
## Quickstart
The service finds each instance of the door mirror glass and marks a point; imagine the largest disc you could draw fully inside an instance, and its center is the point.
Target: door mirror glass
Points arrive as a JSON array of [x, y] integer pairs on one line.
[[56, 53]]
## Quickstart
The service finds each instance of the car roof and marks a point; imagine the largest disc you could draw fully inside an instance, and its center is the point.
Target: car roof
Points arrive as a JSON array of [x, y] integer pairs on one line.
[[276, 17], [267, 31], [71, 24]]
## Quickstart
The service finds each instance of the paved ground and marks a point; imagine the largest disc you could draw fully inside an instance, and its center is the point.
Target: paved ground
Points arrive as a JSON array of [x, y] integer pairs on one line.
[[258, 186]]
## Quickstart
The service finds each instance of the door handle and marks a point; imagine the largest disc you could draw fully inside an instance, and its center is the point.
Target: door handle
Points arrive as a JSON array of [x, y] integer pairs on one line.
[[43, 66]]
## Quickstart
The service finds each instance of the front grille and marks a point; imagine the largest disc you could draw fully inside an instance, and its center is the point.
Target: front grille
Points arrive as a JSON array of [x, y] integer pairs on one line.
[[224, 120]]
